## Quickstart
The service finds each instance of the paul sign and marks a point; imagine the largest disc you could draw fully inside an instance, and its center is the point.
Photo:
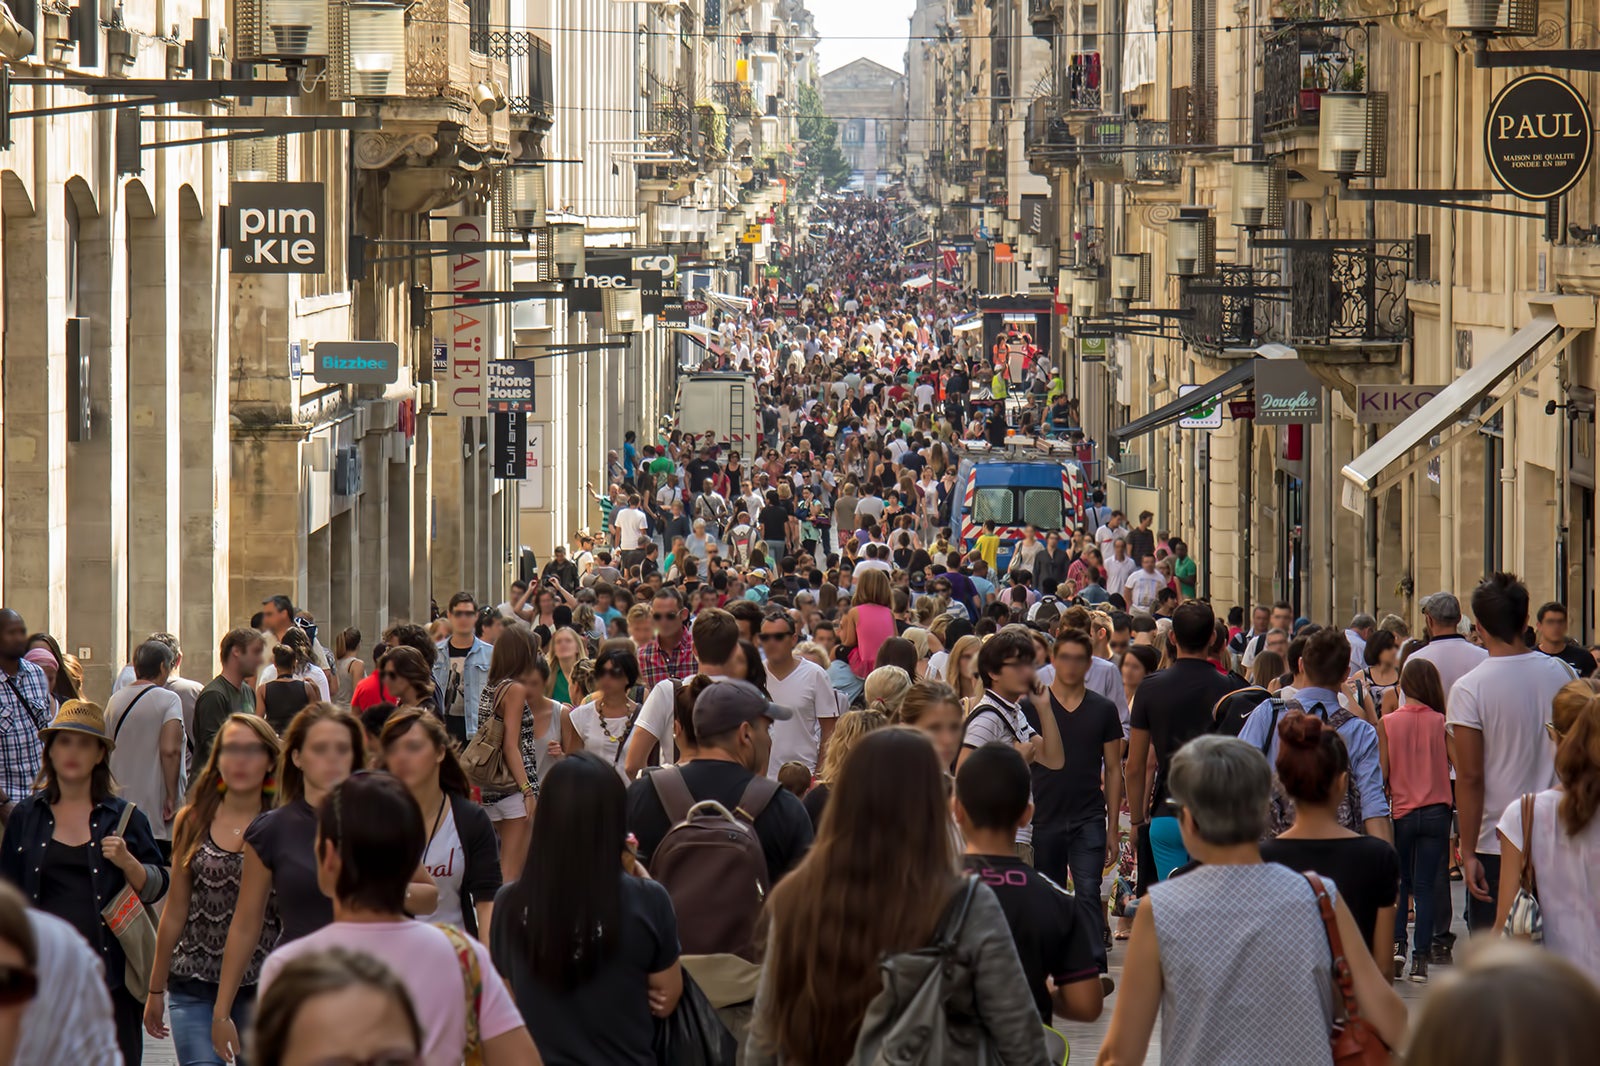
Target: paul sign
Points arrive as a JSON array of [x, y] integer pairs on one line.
[[276, 227], [1539, 136]]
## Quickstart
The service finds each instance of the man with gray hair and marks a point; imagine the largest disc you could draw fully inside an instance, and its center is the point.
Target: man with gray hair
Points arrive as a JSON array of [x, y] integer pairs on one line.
[[1452, 654], [145, 721], [1358, 632]]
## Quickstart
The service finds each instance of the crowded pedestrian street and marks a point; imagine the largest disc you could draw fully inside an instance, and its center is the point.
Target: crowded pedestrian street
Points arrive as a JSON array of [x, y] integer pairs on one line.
[[798, 533]]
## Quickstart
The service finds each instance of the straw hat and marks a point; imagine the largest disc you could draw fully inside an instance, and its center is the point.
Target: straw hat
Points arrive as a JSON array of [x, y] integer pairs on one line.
[[80, 716]]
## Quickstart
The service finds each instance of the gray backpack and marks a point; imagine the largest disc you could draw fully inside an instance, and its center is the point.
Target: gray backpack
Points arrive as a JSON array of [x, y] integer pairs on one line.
[[1281, 813]]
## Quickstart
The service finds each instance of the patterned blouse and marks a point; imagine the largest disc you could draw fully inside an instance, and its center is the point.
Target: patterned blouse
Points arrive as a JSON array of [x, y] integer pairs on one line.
[[527, 743], [214, 877]]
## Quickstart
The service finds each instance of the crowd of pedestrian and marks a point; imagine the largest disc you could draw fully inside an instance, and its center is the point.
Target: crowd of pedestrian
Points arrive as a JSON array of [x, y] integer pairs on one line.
[[775, 765]]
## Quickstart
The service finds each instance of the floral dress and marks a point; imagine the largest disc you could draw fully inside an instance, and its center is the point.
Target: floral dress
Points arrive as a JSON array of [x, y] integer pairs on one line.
[[527, 742]]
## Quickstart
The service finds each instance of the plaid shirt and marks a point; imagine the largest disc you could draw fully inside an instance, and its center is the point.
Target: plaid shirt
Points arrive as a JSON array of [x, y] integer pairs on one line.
[[657, 665], [25, 706]]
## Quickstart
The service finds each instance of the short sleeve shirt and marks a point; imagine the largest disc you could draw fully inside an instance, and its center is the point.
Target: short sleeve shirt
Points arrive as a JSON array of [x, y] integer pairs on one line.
[[284, 840], [1053, 941], [994, 720]]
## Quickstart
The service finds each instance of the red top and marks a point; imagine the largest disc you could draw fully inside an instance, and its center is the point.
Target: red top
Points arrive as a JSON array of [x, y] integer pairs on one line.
[[1419, 768], [369, 690]]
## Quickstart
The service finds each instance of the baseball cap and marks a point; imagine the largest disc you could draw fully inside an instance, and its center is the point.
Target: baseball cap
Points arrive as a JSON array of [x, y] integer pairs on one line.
[[1442, 607], [726, 705]]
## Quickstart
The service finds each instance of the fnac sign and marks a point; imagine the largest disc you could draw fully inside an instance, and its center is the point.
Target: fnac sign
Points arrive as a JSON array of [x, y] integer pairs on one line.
[[276, 227]]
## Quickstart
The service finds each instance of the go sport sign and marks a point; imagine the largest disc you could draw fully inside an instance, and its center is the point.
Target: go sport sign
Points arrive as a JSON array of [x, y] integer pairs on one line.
[[1539, 136], [276, 227]]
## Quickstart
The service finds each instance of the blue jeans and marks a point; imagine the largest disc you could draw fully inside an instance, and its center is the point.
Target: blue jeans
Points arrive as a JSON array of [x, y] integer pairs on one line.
[[1420, 838], [189, 1013], [774, 557], [1078, 847]]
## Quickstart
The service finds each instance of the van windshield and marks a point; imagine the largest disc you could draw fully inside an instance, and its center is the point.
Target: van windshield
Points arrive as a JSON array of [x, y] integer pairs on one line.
[[1006, 506]]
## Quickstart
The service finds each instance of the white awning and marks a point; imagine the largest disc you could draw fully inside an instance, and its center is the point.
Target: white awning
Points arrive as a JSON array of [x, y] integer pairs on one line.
[[1454, 401], [727, 302]]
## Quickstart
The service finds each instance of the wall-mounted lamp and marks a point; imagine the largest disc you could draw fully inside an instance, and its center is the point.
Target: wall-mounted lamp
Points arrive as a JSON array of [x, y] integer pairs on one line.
[[566, 248], [377, 49], [1192, 243], [1259, 190], [624, 312]]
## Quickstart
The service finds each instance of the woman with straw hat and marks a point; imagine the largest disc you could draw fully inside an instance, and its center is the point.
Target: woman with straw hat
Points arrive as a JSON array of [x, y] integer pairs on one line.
[[75, 844]]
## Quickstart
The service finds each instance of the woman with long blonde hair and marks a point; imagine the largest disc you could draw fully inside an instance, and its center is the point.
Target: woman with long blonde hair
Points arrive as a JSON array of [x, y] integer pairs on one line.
[[846, 735], [961, 671], [237, 784]]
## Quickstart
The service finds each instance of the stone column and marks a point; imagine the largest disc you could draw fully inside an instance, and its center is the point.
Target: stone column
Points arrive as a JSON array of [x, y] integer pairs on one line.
[[152, 429]]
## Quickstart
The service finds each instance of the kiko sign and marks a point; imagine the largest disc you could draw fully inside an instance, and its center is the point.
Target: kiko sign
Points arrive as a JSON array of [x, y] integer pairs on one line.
[[1378, 405]]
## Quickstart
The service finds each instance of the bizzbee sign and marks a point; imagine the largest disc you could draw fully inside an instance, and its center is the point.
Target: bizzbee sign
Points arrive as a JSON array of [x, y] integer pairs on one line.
[[276, 227]]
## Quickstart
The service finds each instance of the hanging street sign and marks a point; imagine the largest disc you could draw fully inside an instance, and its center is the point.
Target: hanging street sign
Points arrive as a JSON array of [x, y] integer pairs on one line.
[[1207, 415], [355, 362], [1287, 394], [1539, 136], [511, 386], [276, 227], [510, 446]]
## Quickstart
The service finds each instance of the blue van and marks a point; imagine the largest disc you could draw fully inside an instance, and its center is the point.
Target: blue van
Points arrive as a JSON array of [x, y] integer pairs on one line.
[[1038, 483]]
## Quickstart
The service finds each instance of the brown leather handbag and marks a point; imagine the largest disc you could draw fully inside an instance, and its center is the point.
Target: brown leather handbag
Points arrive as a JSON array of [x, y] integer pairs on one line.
[[1354, 1042]]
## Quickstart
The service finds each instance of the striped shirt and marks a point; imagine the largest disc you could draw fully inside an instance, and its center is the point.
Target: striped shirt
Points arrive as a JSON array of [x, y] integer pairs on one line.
[[607, 505]]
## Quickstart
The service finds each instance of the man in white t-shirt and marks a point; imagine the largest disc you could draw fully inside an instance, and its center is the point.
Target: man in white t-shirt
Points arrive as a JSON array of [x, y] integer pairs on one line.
[[1119, 565], [145, 721], [1452, 654], [1115, 528], [803, 687], [1143, 585], [632, 529], [1496, 717], [715, 634], [924, 392]]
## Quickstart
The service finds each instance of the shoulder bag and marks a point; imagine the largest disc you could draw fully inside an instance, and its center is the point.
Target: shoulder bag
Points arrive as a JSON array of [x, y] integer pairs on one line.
[[1525, 920], [1354, 1042], [130, 923], [472, 989], [484, 757], [916, 1019]]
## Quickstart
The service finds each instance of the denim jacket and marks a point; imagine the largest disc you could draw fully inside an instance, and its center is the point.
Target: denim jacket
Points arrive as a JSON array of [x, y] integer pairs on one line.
[[33, 824], [474, 676]]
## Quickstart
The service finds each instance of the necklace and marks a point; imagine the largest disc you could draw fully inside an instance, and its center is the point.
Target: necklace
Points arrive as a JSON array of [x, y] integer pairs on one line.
[[605, 730]]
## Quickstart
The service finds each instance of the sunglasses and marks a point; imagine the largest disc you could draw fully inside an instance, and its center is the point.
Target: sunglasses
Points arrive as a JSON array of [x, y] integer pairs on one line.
[[18, 984], [767, 638], [664, 617], [470, 612]]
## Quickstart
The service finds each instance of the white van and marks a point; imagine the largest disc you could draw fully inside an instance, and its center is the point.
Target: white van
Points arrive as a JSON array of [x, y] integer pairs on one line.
[[720, 408]]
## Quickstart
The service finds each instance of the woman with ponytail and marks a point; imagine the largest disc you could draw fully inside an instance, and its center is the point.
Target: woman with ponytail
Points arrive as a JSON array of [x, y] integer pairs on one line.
[[237, 784], [1314, 769], [1564, 846], [886, 689]]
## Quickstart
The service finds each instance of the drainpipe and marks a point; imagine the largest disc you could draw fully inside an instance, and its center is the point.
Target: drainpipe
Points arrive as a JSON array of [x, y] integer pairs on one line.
[[1447, 278], [1510, 507]]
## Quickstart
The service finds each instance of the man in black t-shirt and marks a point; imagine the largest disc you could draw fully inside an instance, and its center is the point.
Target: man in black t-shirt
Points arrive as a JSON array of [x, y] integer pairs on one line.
[[1071, 831], [1054, 942], [1171, 708]]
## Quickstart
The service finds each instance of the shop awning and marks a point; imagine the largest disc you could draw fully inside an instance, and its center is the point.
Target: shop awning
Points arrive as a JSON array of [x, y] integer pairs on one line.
[[1240, 376], [726, 301], [1454, 402]]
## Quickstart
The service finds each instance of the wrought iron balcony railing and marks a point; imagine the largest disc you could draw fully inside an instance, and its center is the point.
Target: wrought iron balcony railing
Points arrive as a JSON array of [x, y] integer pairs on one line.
[[532, 78], [1153, 161], [1349, 292], [1104, 131], [1223, 319], [1083, 82], [1300, 62]]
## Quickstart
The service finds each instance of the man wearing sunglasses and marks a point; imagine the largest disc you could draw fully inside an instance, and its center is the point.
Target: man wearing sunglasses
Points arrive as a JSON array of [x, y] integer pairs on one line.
[[803, 687]]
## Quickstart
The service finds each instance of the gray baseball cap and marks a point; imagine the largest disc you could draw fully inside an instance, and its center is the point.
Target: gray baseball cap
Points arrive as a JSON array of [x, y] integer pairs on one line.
[[727, 705], [1442, 607]]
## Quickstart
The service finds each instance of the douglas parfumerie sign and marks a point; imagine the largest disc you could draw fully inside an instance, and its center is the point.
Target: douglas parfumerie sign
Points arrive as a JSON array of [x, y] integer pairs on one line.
[[1539, 136]]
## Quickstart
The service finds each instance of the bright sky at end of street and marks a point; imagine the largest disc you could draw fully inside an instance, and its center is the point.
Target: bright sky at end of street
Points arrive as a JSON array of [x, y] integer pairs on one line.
[[851, 29]]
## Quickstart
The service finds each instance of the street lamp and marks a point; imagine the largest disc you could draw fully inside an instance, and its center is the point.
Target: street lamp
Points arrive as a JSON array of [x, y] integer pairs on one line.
[[624, 312], [527, 197], [377, 46], [1352, 134], [1259, 188], [1085, 294], [295, 29], [1130, 277], [1191, 243], [566, 248]]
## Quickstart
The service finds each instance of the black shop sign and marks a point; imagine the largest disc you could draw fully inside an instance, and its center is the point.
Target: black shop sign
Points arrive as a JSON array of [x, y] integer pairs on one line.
[[276, 227], [1539, 136]]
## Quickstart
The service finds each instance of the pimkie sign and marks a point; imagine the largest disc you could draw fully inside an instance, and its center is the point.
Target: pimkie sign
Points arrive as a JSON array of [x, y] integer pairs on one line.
[[276, 227], [1539, 136]]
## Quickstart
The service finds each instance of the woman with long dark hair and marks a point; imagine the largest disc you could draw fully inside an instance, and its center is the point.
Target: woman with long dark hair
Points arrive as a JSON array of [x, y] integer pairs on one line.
[[878, 881], [62, 685], [462, 855], [235, 787], [518, 677], [591, 951], [408, 677], [64, 849]]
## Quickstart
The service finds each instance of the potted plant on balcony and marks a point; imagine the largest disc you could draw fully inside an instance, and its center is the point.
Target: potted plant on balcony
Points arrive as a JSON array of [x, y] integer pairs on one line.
[[1313, 83], [1353, 78]]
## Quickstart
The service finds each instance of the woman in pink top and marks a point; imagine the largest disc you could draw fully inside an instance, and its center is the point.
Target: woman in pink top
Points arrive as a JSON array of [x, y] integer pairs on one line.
[[869, 621], [1416, 766]]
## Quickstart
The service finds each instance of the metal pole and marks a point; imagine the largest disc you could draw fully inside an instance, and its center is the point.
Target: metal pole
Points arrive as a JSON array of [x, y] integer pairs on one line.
[[1247, 592]]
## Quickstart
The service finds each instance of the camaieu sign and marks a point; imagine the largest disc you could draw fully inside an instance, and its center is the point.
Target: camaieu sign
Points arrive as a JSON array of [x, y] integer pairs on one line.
[[276, 227], [1539, 136], [1286, 393]]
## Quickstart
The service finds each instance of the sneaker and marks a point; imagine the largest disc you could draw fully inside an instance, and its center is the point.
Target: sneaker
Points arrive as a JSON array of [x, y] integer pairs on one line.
[[1419, 970], [1107, 985], [1399, 958], [1440, 956]]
